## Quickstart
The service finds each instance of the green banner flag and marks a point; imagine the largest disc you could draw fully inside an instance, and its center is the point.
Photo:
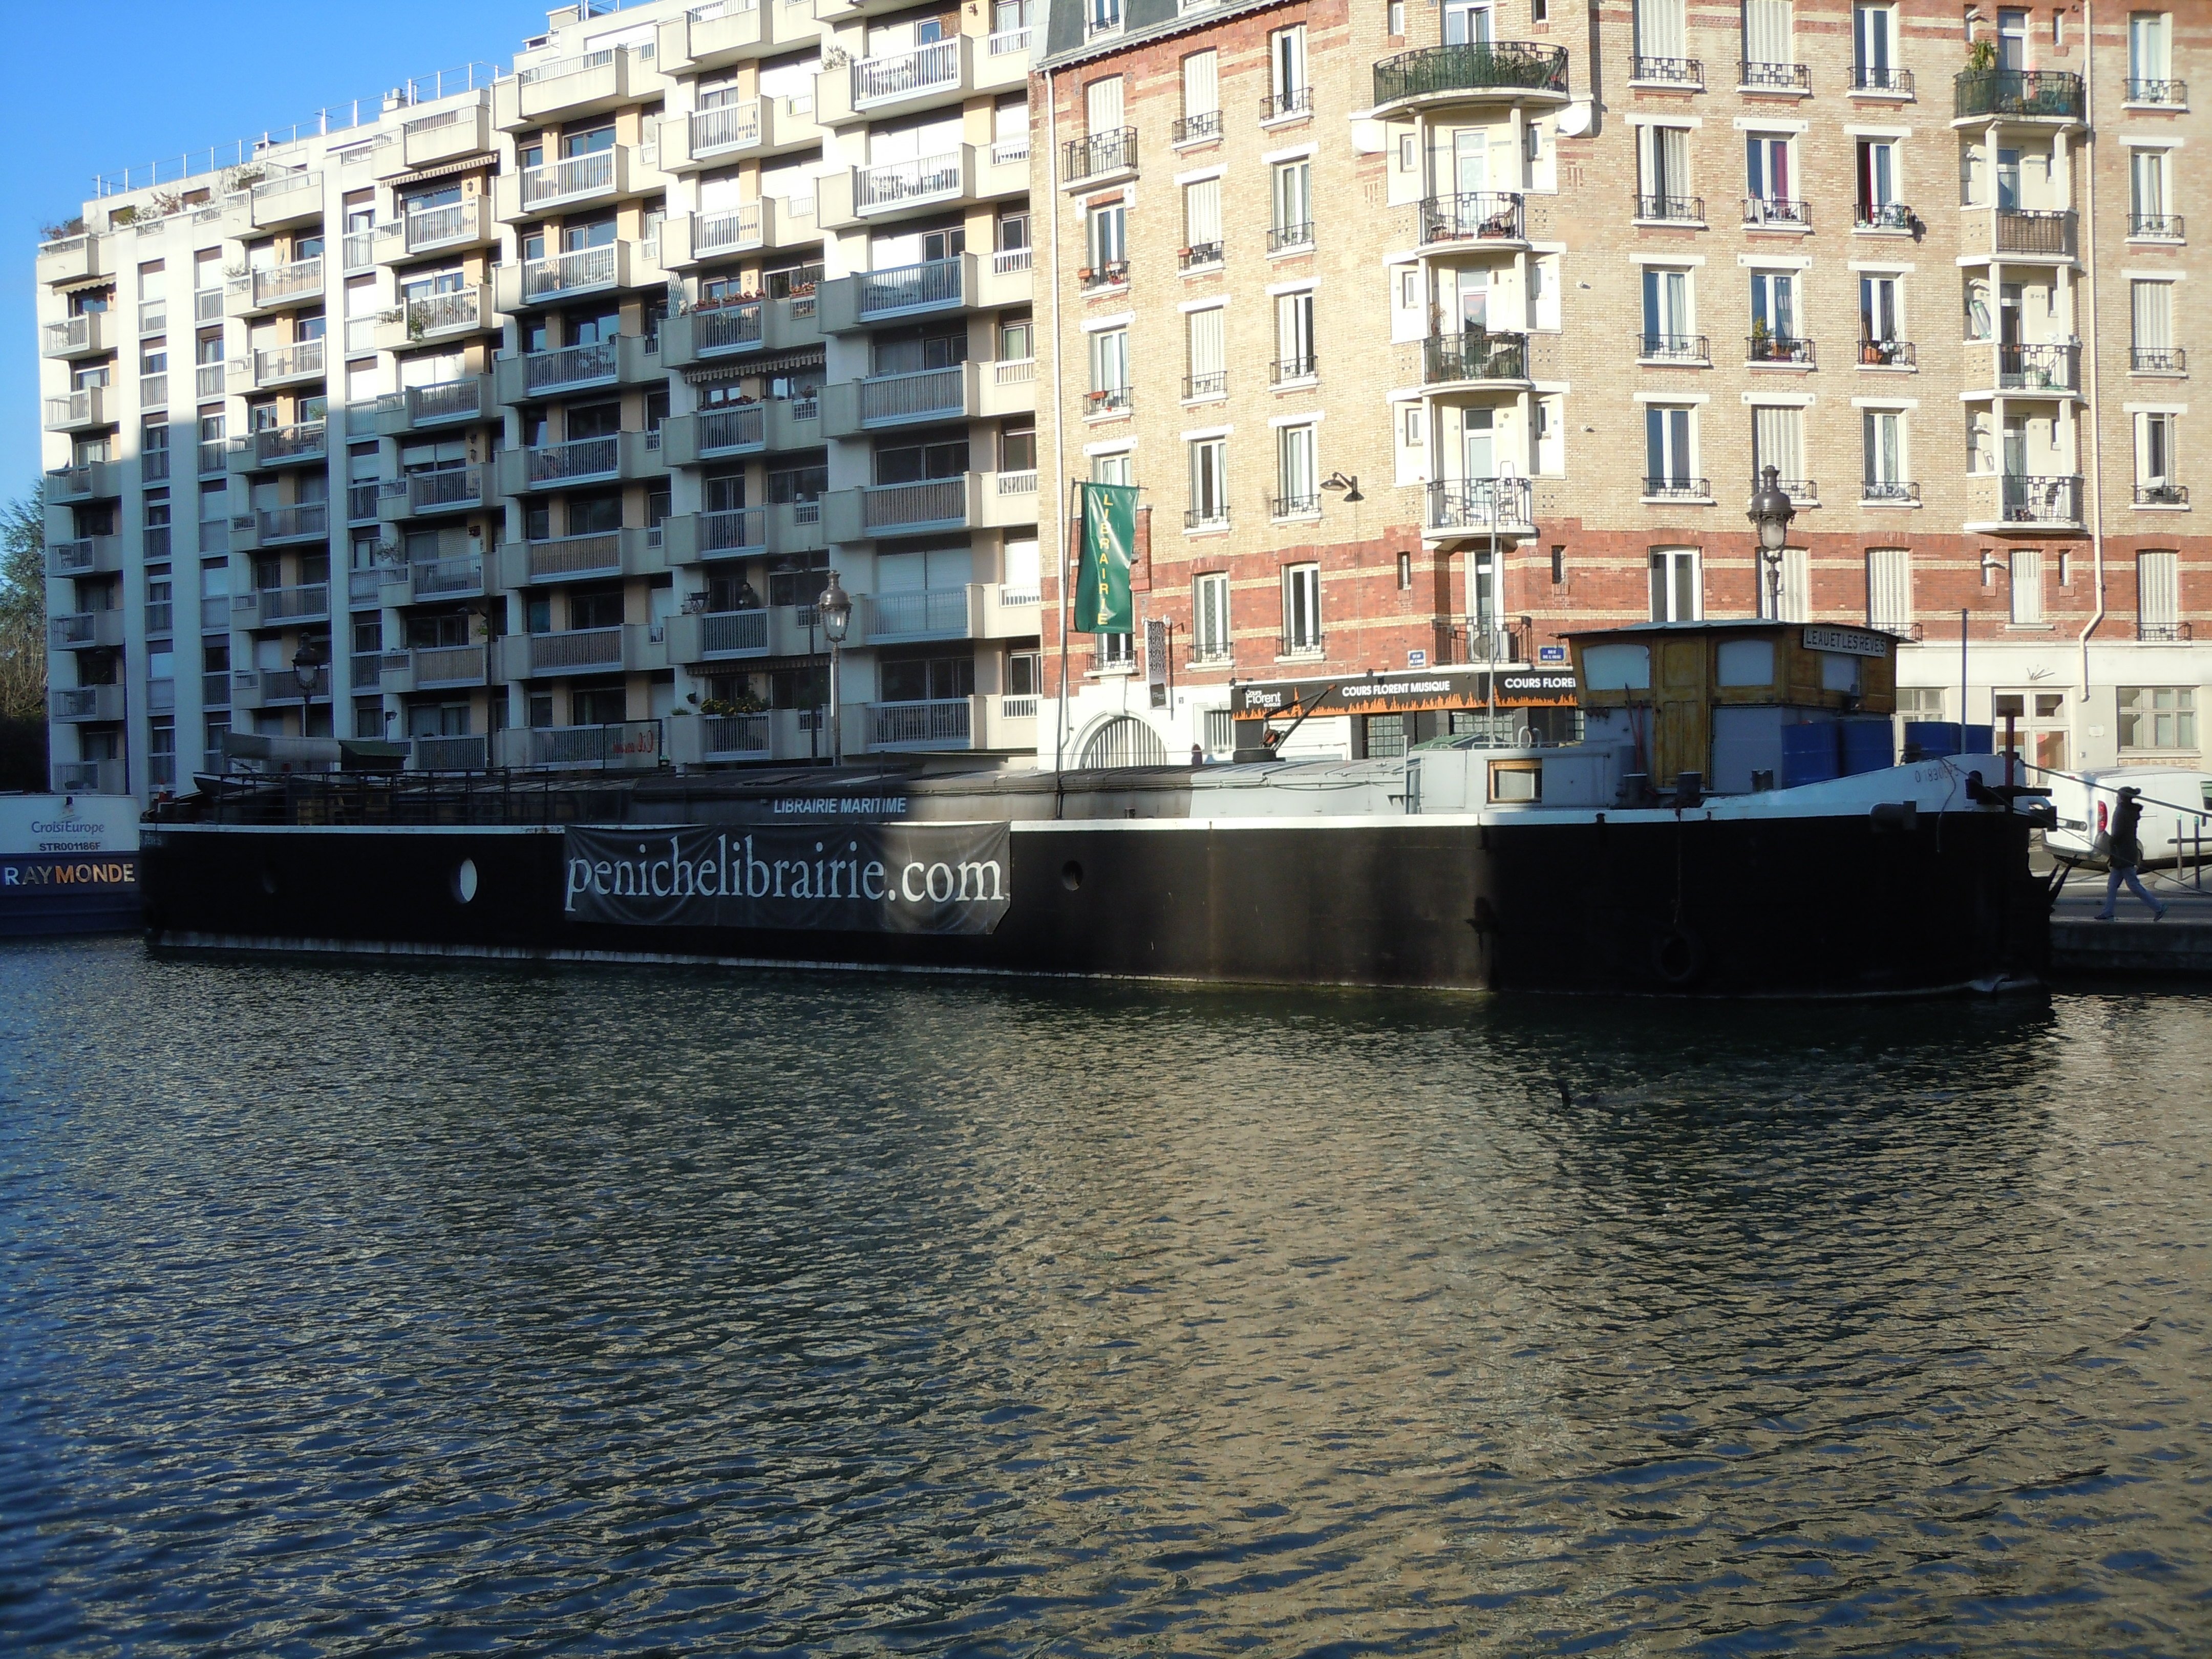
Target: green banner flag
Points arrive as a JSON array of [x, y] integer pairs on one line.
[[1109, 539]]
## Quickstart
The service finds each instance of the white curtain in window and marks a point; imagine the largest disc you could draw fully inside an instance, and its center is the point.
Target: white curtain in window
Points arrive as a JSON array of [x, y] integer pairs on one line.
[[1102, 105], [1777, 440], [1201, 86], [1208, 350], [1660, 31], [1889, 588], [1201, 212], [2158, 589], [1766, 37], [2154, 316]]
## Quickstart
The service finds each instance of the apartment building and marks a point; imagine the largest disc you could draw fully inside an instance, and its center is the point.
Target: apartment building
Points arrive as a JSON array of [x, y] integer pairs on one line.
[[521, 419], [1434, 331]]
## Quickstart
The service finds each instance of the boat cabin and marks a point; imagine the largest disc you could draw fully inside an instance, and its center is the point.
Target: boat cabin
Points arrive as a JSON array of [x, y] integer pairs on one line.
[[1735, 707]]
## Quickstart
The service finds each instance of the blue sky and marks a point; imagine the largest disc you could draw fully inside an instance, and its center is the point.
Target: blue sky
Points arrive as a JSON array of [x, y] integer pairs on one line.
[[162, 80]]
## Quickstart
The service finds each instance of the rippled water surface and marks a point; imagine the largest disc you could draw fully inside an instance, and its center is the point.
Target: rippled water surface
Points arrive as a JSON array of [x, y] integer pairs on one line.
[[348, 1311]]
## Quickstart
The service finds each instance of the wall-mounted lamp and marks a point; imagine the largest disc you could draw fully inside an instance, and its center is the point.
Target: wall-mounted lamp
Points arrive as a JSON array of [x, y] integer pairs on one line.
[[1349, 486]]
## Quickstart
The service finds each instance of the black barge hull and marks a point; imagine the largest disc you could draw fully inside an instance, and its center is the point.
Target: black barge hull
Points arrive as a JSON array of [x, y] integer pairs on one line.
[[1691, 906]]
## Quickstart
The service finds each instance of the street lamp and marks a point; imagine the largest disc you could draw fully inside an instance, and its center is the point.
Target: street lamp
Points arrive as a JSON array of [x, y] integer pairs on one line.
[[835, 607], [1770, 514]]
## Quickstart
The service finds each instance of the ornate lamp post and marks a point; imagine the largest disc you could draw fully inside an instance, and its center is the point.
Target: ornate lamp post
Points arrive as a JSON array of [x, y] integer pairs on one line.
[[835, 607], [1770, 514]]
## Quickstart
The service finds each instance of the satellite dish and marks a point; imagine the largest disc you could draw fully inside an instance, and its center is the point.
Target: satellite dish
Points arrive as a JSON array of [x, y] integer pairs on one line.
[[1575, 120]]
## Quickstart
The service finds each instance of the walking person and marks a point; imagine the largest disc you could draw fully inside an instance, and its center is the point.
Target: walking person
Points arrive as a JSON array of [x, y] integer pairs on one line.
[[2124, 854]]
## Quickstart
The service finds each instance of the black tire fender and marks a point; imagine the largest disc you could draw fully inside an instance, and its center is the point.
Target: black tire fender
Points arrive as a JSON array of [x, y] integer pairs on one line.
[[1679, 956]]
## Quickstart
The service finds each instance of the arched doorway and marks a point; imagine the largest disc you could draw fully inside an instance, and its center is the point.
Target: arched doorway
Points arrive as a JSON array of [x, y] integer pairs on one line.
[[1124, 741]]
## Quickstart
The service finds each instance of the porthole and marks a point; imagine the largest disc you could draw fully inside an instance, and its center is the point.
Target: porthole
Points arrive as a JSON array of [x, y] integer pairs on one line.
[[1071, 875], [464, 881]]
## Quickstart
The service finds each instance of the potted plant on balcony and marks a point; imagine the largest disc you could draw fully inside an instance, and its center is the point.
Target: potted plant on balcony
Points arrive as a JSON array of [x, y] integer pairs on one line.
[[1982, 55], [1762, 342]]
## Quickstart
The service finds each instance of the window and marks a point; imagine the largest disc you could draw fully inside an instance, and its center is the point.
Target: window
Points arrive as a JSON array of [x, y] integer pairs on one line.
[[1877, 206], [2150, 59], [2154, 461], [1669, 467], [1201, 223], [1209, 610], [1103, 105], [1661, 42], [1769, 53], [1880, 330], [1405, 572], [1889, 589], [2157, 716], [1018, 451], [1208, 374], [2150, 195], [1114, 651], [1293, 206], [1394, 16], [1980, 325], [2158, 596], [1769, 176], [1676, 585], [1108, 239], [1201, 98], [1297, 475], [1664, 162], [1017, 339], [1774, 318], [2027, 588], [2012, 41], [1467, 23], [1777, 440], [2152, 351], [1109, 372], [1669, 327], [1286, 69], [1209, 484], [1294, 336], [1301, 634], [1884, 478], [1874, 42]]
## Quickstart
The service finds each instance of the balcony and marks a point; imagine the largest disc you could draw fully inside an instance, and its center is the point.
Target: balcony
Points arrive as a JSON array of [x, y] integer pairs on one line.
[[1779, 351], [881, 401], [1295, 105], [1679, 488], [2039, 368], [616, 455], [621, 746], [1477, 506], [75, 259], [431, 668], [458, 752], [93, 777], [718, 636], [80, 411], [74, 703], [568, 88], [88, 481], [906, 80], [725, 738], [1881, 80], [1201, 256], [290, 200], [421, 495], [90, 335], [423, 581], [725, 33], [1888, 492], [287, 365], [2161, 495], [1460, 358], [1776, 213], [455, 225], [1888, 353], [275, 288], [1894, 217], [2009, 502], [1203, 128], [86, 630], [2048, 235], [1671, 210], [2141, 360], [439, 403], [447, 135], [572, 183], [940, 723], [896, 189], [628, 648], [88, 555], [1793, 80], [1492, 71], [1110, 402], [630, 551], [848, 303], [903, 510], [301, 444], [1301, 648], [714, 434], [796, 527], [1488, 215], [281, 607], [622, 360], [2016, 95], [2158, 94], [689, 238], [1682, 350], [697, 538], [568, 275], [1115, 273], [1680, 73], [705, 136], [1099, 158], [275, 527], [919, 614], [2154, 227]]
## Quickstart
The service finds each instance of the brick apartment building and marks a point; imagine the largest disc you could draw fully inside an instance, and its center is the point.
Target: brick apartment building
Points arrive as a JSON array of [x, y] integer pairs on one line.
[[1432, 332]]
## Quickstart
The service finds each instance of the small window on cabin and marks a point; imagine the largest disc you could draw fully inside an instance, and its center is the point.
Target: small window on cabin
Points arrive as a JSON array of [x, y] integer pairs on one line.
[[1746, 662], [1839, 673], [1512, 780], [1618, 667]]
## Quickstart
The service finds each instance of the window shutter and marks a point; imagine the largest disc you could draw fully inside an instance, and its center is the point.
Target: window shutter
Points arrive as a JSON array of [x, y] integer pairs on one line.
[[2158, 590], [1201, 88], [1659, 30], [1202, 213], [1102, 105], [2154, 316], [1766, 31]]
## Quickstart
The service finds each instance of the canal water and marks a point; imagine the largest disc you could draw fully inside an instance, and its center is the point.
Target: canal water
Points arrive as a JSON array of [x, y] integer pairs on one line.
[[353, 1312]]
